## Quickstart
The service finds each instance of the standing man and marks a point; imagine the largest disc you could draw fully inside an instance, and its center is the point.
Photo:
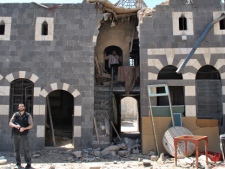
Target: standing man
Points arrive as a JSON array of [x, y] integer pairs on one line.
[[114, 61], [21, 122]]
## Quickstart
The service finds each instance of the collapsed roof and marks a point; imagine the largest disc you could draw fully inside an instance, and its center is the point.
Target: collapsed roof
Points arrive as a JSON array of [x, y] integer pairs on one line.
[[121, 12]]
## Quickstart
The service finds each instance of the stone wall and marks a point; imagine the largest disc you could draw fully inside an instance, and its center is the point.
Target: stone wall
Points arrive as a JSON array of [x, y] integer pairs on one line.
[[63, 60], [162, 44]]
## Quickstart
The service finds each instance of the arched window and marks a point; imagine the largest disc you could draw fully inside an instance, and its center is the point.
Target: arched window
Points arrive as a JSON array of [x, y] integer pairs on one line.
[[2, 27], [44, 30], [182, 22], [21, 91], [176, 92]]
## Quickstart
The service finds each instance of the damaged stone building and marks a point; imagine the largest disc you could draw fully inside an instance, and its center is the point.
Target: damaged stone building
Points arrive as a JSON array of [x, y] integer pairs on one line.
[[52, 59]]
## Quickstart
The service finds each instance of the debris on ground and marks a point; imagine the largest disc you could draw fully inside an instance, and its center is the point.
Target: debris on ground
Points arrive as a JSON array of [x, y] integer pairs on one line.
[[117, 155]]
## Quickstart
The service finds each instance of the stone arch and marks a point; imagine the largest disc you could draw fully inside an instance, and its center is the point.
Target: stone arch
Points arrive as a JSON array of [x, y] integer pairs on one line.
[[59, 86], [77, 107], [22, 74]]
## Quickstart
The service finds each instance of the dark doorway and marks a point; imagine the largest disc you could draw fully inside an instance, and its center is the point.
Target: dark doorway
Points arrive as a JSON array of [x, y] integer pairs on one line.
[[60, 109]]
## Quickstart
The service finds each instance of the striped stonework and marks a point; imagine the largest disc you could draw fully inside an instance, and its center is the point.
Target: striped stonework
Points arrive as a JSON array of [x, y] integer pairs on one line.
[[77, 106], [159, 58], [38, 113]]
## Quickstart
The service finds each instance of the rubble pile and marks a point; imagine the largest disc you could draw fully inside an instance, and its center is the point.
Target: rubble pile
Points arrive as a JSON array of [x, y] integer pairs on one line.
[[126, 154]]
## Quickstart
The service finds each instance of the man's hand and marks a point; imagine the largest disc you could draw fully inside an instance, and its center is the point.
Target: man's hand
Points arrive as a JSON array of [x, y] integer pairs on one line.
[[22, 129], [17, 126]]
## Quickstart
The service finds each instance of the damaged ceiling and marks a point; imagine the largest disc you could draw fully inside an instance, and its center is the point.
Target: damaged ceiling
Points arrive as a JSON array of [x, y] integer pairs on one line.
[[118, 12]]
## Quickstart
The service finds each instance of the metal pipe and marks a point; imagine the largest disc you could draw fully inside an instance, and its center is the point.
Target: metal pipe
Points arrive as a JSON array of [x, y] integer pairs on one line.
[[199, 41]]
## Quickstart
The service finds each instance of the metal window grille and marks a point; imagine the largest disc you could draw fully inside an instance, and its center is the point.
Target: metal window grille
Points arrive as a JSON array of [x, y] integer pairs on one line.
[[21, 91]]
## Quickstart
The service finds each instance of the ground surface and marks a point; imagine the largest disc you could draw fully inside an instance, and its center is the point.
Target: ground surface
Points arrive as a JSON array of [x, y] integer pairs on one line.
[[64, 159]]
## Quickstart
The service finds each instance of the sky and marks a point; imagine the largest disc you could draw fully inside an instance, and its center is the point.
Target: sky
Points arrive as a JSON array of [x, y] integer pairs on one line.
[[149, 3]]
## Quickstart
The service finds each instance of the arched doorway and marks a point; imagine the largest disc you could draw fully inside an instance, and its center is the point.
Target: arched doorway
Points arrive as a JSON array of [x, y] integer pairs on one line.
[[208, 93], [129, 115], [109, 51], [59, 116]]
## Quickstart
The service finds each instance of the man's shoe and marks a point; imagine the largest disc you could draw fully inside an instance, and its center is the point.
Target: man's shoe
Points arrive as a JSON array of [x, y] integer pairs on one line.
[[28, 166]]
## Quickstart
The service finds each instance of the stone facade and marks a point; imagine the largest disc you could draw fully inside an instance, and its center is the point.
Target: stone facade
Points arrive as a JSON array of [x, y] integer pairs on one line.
[[62, 60], [163, 44]]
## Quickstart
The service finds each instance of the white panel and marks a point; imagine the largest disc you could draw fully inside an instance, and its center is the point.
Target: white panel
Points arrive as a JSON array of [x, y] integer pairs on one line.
[[42, 110], [4, 90], [36, 110], [77, 131], [189, 17], [40, 131], [156, 63], [54, 86], [195, 63], [37, 91], [223, 90], [190, 91], [44, 93], [190, 110], [219, 63], [34, 78], [207, 57], [223, 108], [94, 39], [76, 93], [188, 76], [4, 109], [38, 27], [22, 74], [65, 86], [8, 21], [10, 77], [216, 26], [152, 76], [77, 111]]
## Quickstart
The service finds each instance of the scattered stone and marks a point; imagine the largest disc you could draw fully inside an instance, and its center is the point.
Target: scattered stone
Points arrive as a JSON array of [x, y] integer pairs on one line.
[[52, 167], [135, 151], [146, 162], [151, 153], [70, 159], [161, 158], [96, 153], [154, 158], [36, 155], [202, 160], [107, 150], [113, 154], [89, 159], [77, 154], [140, 159], [122, 153], [185, 162], [2, 160]]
